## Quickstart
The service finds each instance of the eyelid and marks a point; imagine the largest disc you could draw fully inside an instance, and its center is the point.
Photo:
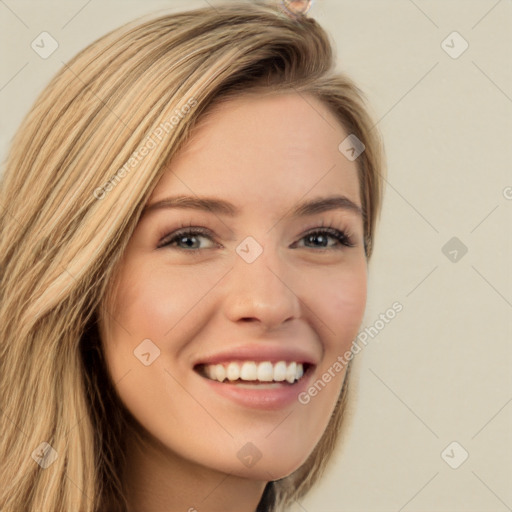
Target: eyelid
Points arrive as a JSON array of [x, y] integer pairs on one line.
[[343, 236], [189, 229], [344, 229]]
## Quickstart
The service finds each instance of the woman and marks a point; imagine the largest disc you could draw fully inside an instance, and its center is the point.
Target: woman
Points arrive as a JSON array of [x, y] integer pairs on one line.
[[143, 372]]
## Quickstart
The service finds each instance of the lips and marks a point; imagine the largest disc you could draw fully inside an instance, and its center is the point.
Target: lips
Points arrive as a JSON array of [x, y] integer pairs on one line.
[[285, 351], [261, 365], [274, 395]]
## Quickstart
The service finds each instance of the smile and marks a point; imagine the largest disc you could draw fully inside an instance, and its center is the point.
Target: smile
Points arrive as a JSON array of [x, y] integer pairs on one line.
[[252, 371], [257, 384]]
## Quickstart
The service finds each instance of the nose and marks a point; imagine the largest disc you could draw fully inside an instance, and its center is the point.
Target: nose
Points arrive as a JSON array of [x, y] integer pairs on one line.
[[261, 292]]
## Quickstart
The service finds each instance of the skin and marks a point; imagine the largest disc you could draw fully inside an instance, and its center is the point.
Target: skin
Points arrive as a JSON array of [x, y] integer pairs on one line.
[[264, 154]]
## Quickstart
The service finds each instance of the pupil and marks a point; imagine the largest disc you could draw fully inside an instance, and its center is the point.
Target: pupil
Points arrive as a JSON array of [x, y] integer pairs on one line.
[[318, 237], [187, 238]]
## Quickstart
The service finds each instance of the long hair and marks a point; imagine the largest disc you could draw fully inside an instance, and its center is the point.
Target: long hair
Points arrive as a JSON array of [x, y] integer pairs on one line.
[[80, 169]]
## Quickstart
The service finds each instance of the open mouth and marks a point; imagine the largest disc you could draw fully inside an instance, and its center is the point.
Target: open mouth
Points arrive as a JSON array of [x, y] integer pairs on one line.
[[255, 373]]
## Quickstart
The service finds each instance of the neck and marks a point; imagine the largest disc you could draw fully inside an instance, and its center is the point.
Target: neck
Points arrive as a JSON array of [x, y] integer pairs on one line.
[[157, 479]]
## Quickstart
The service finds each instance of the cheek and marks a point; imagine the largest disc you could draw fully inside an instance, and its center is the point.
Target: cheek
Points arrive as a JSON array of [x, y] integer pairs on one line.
[[339, 299], [141, 309], [151, 301], [157, 303]]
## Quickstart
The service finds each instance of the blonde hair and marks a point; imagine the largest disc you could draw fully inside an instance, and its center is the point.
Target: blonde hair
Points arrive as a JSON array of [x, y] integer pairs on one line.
[[75, 182]]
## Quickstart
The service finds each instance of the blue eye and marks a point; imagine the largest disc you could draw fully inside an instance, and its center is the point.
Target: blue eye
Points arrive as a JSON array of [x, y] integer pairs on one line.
[[187, 237]]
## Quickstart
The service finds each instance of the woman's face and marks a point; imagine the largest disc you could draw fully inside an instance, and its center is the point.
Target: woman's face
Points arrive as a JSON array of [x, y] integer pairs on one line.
[[262, 289]]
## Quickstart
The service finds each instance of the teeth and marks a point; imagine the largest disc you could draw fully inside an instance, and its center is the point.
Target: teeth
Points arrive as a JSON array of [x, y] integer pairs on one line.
[[249, 371], [233, 371], [211, 372], [290, 372], [280, 371], [218, 372], [265, 372], [253, 371]]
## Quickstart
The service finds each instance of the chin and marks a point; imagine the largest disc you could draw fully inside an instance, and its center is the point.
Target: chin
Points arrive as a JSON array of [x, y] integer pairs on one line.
[[265, 471], [265, 462]]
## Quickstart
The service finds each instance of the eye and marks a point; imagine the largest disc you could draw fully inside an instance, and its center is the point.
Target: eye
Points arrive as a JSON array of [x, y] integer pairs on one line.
[[187, 237], [342, 238]]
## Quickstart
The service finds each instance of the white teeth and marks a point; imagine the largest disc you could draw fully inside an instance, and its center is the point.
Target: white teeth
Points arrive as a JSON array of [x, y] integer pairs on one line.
[[249, 371], [280, 371], [253, 371], [265, 372], [219, 372], [290, 372], [211, 372], [233, 371]]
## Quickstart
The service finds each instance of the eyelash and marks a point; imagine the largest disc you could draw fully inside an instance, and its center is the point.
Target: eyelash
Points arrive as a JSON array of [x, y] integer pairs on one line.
[[343, 237]]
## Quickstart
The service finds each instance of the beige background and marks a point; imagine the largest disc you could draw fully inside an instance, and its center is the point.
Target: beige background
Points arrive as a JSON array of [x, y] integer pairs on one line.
[[440, 371]]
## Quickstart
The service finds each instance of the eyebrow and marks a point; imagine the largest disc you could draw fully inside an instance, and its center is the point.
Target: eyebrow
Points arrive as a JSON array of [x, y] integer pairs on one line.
[[223, 207]]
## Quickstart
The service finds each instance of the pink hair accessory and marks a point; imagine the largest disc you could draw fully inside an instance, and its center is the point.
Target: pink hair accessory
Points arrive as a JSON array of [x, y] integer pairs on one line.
[[295, 8]]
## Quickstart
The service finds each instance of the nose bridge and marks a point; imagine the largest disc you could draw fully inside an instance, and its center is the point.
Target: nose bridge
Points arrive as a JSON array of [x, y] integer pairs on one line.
[[258, 287]]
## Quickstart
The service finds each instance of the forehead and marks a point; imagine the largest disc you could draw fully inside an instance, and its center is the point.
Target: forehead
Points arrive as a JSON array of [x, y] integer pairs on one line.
[[263, 151]]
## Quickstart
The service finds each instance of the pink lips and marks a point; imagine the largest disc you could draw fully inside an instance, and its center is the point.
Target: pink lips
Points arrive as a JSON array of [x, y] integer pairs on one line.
[[259, 353], [270, 399], [281, 395]]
